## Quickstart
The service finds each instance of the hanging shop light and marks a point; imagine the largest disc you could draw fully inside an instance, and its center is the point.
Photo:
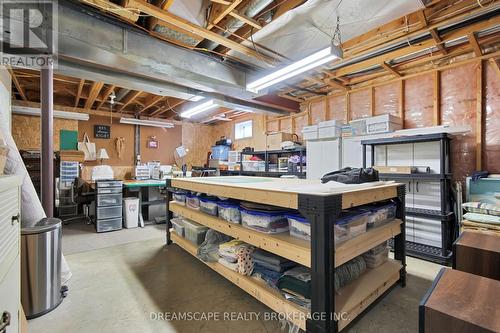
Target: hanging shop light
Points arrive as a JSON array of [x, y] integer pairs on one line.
[[200, 108]]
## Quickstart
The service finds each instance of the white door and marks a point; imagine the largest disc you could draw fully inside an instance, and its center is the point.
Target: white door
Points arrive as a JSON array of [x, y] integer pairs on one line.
[[9, 295], [427, 154], [427, 231], [427, 195], [322, 157]]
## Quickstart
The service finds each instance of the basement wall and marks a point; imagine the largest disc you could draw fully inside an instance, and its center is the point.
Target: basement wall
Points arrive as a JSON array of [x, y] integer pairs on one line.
[[445, 96]]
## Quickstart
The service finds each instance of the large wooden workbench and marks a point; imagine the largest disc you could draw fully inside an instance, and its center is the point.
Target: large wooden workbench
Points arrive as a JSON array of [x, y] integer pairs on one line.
[[320, 204]]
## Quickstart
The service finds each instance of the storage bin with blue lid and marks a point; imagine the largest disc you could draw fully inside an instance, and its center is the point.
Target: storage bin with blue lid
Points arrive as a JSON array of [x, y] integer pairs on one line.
[[299, 226], [350, 224], [192, 201], [208, 205], [180, 197], [272, 222], [380, 214], [229, 211]]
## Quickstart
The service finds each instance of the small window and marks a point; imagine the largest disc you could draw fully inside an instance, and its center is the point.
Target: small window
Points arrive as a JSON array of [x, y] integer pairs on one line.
[[243, 130]]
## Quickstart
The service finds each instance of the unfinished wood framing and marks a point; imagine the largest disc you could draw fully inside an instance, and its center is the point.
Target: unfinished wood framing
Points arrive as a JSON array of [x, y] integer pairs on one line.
[[79, 92], [18, 86], [436, 101], [93, 93], [475, 45], [105, 96], [131, 96]]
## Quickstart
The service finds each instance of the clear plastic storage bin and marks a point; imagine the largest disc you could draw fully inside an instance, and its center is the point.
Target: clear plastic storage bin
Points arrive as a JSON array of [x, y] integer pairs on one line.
[[253, 165], [266, 222], [194, 232], [299, 227], [379, 215], [179, 197], [178, 225], [350, 224], [208, 205], [192, 201], [376, 256], [229, 211]]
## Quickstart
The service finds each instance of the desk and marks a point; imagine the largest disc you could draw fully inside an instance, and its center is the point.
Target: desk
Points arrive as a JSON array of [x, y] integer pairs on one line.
[[149, 194]]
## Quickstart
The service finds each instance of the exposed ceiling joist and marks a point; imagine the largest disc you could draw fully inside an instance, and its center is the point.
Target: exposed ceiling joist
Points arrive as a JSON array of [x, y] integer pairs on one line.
[[475, 45], [151, 101], [222, 2], [439, 42], [113, 8], [165, 16], [18, 86], [94, 92], [79, 92], [390, 69], [220, 11], [131, 96], [245, 19], [105, 96]]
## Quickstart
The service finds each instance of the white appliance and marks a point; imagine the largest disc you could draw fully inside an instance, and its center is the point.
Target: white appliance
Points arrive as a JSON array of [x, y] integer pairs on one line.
[[323, 156], [10, 263]]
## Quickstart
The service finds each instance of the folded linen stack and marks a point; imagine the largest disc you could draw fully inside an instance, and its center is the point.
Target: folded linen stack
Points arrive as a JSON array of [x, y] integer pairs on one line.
[[295, 283], [209, 249], [269, 267], [235, 255]]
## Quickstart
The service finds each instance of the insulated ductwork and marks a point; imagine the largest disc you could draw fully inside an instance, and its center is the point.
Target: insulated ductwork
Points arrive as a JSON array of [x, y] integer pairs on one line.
[[249, 10]]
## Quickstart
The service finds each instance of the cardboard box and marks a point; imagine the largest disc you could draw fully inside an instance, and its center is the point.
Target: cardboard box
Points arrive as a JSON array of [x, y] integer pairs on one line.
[[274, 140], [395, 169]]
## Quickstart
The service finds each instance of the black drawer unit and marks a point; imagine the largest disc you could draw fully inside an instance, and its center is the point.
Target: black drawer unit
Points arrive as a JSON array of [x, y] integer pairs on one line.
[[108, 205]]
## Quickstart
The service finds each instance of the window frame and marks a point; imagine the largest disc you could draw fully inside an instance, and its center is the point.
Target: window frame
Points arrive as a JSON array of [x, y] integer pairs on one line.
[[250, 121]]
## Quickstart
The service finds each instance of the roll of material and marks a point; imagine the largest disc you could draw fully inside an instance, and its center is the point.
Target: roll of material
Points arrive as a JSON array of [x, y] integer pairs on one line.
[[349, 271]]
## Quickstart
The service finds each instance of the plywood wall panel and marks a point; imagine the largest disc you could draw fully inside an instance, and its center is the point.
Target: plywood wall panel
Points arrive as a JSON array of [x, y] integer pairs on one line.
[[197, 138], [491, 148], [337, 106], [168, 138], [458, 108], [418, 104], [360, 104], [273, 125], [117, 130], [26, 131], [387, 99]]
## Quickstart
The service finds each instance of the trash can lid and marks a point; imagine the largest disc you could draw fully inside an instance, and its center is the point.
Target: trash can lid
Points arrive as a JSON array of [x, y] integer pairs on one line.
[[44, 225]]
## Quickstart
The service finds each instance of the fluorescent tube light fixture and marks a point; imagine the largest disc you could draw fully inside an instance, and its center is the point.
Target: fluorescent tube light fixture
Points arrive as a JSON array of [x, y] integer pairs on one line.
[[314, 60], [145, 122], [31, 111], [203, 107]]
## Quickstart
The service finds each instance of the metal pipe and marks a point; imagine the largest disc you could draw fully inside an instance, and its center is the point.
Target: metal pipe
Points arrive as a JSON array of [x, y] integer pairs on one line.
[[47, 135]]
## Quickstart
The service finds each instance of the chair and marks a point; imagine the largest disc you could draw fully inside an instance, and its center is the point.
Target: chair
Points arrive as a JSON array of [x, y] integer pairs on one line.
[[82, 196]]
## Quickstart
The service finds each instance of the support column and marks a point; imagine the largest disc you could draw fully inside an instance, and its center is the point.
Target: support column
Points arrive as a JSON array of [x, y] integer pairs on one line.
[[47, 135]]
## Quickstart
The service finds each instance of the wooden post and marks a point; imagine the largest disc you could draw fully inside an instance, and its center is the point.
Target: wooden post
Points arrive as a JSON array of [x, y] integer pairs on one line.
[[402, 101], [479, 115], [372, 101], [347, 108], [437, 98], [328, 112]]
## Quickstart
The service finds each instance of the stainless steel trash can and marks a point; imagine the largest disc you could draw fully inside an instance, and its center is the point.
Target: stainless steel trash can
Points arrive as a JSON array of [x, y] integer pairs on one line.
[[41, 267]]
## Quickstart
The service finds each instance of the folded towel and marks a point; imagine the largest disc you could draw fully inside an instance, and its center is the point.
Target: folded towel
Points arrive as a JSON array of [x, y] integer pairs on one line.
[[269, 276], [275, 267], [296, 281], [231, 266], [268, 257]]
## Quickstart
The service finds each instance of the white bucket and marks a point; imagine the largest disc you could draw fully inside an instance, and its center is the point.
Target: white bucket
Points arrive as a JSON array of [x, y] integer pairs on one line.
[[131, 212]]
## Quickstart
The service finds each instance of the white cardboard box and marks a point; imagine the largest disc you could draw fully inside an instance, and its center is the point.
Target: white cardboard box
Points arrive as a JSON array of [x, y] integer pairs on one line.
[[329, 129], [310, 132]]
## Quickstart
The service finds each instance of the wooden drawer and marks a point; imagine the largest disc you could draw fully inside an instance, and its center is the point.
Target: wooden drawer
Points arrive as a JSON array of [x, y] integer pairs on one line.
[[9, 226]]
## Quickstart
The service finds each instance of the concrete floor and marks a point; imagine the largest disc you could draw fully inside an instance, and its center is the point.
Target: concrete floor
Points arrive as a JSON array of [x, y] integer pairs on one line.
[[120, 288]]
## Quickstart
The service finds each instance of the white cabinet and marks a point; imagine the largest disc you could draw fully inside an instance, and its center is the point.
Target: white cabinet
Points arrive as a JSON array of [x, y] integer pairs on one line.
[[10, 271], [323, 156]]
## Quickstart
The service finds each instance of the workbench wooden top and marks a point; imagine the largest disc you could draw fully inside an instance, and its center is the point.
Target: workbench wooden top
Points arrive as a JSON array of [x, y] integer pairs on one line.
[[284, 192]]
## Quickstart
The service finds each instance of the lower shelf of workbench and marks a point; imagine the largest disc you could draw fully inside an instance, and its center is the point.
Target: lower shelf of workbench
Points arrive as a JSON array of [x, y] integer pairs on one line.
[[351, 300]]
